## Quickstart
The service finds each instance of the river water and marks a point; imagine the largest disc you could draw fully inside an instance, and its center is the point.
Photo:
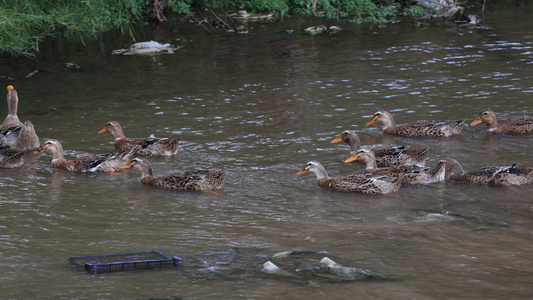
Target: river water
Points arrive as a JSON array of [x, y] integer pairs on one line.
[[261, 105]]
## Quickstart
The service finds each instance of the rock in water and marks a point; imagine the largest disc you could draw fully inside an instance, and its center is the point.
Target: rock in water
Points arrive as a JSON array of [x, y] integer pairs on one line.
[[341, 272]]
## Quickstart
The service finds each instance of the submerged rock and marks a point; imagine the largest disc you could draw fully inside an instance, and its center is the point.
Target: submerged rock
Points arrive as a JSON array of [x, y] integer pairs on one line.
[[469, 222], [299, 266], [441, 8], [340, 272], [448, 10], [270, 268], [146, 48]]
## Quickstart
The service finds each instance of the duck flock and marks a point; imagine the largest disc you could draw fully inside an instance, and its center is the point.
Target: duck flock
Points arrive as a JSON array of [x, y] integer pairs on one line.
[[16, 138], [390, 168], [386, 169]]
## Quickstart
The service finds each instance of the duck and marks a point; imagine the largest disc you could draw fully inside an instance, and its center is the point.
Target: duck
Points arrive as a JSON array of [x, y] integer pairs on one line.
[[191, 181], [411, 174], [365, 184], [492, 175], [521, 125], [19, 136], [149, 146], [422, 128], [9, 158], [12, 107], [387, 157], [109, 162]]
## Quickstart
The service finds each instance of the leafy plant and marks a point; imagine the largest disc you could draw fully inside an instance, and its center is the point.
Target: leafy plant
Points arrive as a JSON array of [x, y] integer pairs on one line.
[[415, 11], [359, 10], [24, 23]]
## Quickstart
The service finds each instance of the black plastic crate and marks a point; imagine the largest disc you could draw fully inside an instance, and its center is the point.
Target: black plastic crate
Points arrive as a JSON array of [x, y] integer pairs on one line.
[[125, 261]]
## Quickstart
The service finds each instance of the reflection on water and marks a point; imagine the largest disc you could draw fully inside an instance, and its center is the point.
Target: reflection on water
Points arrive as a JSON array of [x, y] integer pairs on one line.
[[260, 106]]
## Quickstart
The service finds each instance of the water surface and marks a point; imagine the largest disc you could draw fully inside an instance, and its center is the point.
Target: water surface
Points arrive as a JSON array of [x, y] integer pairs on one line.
[[260, 106]]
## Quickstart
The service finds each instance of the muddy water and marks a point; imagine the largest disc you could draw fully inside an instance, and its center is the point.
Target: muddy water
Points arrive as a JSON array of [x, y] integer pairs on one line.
[[260, 106]]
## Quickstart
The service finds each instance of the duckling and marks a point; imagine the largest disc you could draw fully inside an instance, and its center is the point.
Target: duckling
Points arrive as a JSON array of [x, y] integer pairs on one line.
[[422, 128], [522, 125], [411, 174], [493, 175], [355, 183], [149, 146], [95, 163], [192, 181], [387, 157]]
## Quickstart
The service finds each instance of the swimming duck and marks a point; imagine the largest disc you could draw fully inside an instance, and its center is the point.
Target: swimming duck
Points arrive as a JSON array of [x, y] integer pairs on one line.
[[93, 163], [192, 181], [411, 174], [356, 183], [12, 106], [19, 136], [9, 157], [520, 125], [387, 157], [500, 175], [422, 128], [149, 146]]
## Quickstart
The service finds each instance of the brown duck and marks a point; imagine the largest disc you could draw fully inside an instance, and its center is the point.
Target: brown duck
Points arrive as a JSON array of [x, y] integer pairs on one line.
[[354, 183], [493, 175], [387, 157], [411, 174], [422, 128], [93, 163], [148, 146], [19, 136], [522, 125], [192, 181]]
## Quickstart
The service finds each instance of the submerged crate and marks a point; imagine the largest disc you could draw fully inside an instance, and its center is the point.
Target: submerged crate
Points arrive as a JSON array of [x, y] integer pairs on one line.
[[125, 261]]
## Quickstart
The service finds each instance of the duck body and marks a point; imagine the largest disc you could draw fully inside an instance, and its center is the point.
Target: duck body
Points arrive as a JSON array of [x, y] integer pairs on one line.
[[521, 125], [409, 174], [387, 157], [9, 157], [400, 156], [93, 163], [19, 136], [190, 181], [513, 176], [355, 183], [422, 128], [492, 175], [145, 147]]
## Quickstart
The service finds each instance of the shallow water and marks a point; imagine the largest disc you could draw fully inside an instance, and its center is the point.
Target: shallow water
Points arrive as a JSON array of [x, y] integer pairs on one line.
[[260, 106]]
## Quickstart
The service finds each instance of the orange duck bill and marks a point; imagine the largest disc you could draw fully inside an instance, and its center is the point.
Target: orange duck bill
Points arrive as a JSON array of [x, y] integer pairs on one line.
[[476, 121], [126, 166], [39, 151], [352, 157], [302, 171], [103, 130], [336, 140], [372, 121]]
